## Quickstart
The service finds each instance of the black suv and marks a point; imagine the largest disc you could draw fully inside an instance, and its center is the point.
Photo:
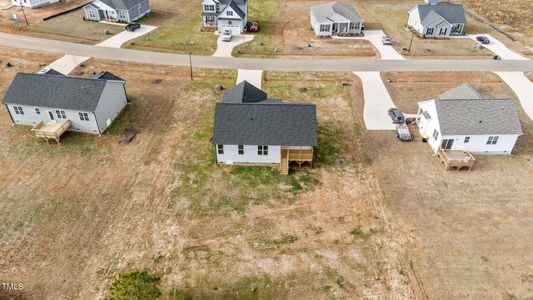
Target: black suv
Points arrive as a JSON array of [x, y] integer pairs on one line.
[[483, 39], [132, 26], [396, 115]]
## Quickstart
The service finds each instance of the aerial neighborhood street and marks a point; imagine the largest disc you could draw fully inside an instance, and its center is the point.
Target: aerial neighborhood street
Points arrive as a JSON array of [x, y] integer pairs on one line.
[[266, 149]]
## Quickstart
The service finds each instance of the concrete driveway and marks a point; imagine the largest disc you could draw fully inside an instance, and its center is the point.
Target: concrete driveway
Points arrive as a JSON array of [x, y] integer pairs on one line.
[[68, 63], [517, 81], [377, 102], [224, 49], [254, 77], [374, 37]]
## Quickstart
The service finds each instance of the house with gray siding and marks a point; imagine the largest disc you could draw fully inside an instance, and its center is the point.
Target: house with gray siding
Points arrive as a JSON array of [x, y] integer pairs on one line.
[[251, 129], [225, 14], [463, 119], [436, 20], [122, 11], [335, 18], [90, 104]]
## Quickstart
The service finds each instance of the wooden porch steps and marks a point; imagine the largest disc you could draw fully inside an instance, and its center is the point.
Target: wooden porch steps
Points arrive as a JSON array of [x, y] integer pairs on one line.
[[284, 166]]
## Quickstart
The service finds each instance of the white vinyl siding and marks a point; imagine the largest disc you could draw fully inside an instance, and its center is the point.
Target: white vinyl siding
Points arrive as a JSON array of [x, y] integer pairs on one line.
[[250, 154]]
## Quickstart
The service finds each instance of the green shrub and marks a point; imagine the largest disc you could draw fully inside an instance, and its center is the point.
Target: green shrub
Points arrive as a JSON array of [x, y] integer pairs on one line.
[[139, 284]]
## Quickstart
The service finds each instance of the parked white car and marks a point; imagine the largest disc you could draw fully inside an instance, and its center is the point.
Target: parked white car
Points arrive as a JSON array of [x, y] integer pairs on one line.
[[227, 35]]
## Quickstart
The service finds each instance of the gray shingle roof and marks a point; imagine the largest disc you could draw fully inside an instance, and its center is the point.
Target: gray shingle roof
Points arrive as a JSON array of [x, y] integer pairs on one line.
[[464, 91], [76, 93], [122, 4], [323, 12], [264, 122], [244, 92], [107, 76], [477, 117], [453, 13]]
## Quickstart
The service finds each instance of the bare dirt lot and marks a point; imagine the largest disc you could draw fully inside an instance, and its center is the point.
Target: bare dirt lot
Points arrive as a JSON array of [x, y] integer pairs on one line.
[[75, 216], [475, 228]]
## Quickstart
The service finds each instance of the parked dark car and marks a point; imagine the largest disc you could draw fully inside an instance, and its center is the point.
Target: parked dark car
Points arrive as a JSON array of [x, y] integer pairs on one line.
[[254, 27], [397, 116], [132, 26], [483, 40]]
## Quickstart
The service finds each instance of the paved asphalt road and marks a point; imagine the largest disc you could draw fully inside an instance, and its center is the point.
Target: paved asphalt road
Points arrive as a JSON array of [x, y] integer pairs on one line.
[[347, 65]]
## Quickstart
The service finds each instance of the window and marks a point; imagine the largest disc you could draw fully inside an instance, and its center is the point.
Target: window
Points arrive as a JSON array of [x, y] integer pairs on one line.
[[262, 150], [210, 19], [241, 149], [435, 134], [92, 14], [324, 27], [229, 13], [37, 111], [354, 25], [467, 140], [430, 31], [209, 8], [84, 116], [18, 110], [220, 149], [61, 114], [493, 140], [122, 14], [443, 31]]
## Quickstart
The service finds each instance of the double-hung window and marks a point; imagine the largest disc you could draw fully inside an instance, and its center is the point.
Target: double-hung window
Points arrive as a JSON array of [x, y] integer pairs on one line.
[[467, 140], [84, 116], [435, 134], [324, 27], [430, 31], [220, 149], [37, 111], [241, 149], [18, 110], [209, 8], [61, 114], [493, 140], [262, 150], [229, 13]]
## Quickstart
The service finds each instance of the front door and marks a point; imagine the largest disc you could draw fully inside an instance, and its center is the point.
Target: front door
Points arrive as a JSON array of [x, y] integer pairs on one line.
[[335, 27], [51, 115], [447, 144]]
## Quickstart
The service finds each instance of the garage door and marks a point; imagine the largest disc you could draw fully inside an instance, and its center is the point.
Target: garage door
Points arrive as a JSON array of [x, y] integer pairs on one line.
[[235, 27]]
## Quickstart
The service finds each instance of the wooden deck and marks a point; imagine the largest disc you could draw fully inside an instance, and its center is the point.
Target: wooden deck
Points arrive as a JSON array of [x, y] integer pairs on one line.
[[456, 159], [298, 156], [51, 130]]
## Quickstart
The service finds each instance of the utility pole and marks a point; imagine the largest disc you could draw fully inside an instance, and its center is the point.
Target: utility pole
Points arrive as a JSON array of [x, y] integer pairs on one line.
[[190, 64], [411, 43], [24, 14]]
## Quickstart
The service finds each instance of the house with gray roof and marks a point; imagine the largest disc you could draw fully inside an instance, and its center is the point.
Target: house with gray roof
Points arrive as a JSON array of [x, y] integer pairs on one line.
[[251, 129], [225, 14], [121, 11], [90, 104], [437, 20], [335, 18], [463, 119]]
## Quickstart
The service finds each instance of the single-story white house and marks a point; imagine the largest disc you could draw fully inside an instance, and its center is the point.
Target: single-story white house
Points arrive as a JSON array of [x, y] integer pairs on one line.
[[463, 119], [335, 18], [251, 129], [434, 20], [90, 104], [33, 3], [225, 14], [122, 11]]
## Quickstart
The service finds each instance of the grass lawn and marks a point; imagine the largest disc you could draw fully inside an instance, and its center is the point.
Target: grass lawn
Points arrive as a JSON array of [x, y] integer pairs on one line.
[[179, 30]]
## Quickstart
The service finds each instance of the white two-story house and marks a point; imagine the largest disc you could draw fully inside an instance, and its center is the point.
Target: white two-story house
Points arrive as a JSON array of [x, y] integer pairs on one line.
[[251, 129], [225, 14], [463, 119]]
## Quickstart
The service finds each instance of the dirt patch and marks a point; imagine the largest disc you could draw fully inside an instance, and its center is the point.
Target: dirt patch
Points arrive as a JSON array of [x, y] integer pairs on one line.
[[160, 203], [471, 225]]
